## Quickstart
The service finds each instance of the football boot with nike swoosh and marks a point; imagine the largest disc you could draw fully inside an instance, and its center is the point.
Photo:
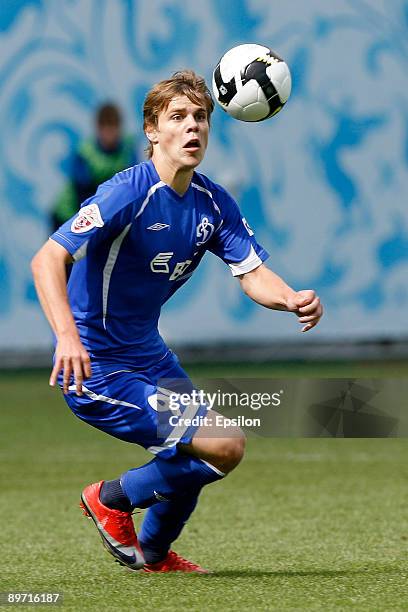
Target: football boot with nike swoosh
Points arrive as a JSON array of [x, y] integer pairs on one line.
[[115, 528]]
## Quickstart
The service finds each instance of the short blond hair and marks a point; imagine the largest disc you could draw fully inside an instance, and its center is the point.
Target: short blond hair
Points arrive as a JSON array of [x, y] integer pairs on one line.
[[183, 82]]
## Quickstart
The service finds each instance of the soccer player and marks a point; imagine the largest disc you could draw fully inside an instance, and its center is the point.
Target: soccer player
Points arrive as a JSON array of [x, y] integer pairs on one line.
[[133, 244]]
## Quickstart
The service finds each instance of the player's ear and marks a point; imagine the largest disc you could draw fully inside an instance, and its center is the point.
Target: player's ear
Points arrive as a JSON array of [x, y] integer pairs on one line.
[[151, 133]]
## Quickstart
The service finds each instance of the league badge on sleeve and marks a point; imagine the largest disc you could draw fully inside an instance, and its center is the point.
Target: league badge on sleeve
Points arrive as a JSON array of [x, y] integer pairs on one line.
[[87, 218]]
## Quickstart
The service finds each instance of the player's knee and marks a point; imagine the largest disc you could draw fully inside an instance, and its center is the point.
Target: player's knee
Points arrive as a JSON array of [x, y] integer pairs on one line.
[[230, 452]]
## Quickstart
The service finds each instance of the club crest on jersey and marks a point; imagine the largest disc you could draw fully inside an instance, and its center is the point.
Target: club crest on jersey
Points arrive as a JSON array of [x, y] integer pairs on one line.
[[88, 218], [205, 230]]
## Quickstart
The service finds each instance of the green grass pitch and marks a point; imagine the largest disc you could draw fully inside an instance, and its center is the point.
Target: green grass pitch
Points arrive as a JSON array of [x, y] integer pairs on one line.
[[302, 524]]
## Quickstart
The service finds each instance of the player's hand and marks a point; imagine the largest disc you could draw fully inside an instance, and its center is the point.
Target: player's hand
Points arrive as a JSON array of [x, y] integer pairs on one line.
[[71, 358], [307, 307]]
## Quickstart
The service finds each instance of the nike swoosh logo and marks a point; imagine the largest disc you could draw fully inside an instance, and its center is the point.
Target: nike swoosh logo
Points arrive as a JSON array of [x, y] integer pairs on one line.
[[135, 560], [130, 554]]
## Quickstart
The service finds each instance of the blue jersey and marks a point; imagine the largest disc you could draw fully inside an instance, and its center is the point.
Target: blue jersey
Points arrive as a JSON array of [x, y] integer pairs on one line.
[[134, 243]]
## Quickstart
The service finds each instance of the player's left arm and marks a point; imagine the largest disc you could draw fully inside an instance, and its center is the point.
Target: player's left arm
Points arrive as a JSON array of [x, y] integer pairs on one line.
[[268, 289]]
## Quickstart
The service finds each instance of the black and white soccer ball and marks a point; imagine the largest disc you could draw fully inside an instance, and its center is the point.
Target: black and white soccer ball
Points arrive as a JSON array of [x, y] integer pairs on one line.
[[251, 82]]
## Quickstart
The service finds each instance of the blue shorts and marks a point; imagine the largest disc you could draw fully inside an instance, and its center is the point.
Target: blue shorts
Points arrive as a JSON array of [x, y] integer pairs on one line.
[[139, 406]]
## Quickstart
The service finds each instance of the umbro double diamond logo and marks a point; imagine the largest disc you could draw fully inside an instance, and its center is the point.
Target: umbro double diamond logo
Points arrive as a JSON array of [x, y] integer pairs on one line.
[[156, 227]]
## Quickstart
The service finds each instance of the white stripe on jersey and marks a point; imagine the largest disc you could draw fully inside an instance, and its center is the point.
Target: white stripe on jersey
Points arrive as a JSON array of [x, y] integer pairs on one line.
[[208, 193], [247, 265], [108, 269], [81, 252], [212, 467], [63, 237], [114, 251], [151, 191], [178, 431], [104, 398]]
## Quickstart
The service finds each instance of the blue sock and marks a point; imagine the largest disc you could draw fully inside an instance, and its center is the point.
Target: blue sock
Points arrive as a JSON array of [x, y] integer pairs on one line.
[[166, 479], [163, 524]]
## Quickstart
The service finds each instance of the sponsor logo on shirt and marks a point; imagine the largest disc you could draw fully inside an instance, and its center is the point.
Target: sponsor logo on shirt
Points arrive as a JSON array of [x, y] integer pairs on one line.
[[87, 218], [160, 265]]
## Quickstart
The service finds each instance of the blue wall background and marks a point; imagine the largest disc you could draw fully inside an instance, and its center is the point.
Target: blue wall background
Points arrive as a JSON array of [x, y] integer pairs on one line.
[[324, 184]]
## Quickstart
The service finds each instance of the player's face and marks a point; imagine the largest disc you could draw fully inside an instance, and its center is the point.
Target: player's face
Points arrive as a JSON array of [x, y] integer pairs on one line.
[[181, 134]]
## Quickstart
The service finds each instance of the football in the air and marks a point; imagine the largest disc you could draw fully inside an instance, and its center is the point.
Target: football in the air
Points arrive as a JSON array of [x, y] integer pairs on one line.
[[251, 82]]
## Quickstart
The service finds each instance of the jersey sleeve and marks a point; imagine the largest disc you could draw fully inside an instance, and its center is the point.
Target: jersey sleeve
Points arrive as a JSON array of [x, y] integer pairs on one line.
[[234, 241], [101, 217]]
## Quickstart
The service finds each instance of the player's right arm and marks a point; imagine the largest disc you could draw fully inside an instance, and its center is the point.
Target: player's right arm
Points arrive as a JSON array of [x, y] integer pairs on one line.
[[49, 272]]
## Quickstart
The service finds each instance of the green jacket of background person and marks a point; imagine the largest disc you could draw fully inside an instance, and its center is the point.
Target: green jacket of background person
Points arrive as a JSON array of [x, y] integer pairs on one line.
[[96, 160]]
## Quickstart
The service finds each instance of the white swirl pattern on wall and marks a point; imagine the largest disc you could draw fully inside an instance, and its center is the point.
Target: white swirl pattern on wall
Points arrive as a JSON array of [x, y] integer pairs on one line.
[[322, 185]]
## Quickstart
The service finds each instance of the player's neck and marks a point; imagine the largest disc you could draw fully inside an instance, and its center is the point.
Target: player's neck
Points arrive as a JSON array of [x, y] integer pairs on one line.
[[178, 179]]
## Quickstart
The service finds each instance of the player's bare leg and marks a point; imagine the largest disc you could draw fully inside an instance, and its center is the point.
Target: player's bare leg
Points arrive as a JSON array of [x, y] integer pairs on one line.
[[222, 447]]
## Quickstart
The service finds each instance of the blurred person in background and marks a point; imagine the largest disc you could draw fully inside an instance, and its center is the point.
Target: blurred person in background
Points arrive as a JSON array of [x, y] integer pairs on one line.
[[95, 161]]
